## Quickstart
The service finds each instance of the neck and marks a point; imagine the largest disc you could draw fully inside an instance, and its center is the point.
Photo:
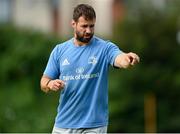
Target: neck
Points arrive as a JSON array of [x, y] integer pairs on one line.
[[79, 43]]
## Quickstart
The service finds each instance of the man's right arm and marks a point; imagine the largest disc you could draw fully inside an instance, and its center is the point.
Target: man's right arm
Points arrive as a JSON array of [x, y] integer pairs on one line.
[[48, 84]]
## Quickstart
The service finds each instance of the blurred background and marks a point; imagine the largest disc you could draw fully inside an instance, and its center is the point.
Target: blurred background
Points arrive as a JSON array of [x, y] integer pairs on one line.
[[145, 98]]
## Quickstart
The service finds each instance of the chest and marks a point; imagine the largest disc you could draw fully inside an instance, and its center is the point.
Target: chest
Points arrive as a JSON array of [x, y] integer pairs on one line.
[[80, 61]]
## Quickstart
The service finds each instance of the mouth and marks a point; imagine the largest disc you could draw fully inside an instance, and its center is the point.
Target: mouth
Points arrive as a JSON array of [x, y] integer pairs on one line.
[[88, 35]]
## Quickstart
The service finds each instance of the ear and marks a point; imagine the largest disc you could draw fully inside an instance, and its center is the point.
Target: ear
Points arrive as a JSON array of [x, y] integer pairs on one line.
[[73, 23]]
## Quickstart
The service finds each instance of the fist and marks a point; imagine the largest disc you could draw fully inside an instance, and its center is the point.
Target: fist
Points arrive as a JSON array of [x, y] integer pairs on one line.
[[125, 60], [133, 58], [56, 85]]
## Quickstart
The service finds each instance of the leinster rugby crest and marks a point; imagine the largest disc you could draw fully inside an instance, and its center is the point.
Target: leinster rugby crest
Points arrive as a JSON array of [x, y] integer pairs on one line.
[[92, 60]]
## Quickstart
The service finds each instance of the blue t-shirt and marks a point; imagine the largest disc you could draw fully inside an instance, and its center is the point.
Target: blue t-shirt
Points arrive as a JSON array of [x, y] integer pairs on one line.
[[84, 100]]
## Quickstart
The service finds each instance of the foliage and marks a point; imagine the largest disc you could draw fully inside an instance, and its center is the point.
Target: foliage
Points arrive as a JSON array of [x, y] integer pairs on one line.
[[153, 38], [23, 107], [24, 54]]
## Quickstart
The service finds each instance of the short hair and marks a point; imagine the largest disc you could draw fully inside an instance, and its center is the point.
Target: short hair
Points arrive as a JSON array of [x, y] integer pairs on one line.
[[84, 10]]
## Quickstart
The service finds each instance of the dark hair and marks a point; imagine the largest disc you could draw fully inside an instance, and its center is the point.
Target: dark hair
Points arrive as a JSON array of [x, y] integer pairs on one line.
[[84, 10]]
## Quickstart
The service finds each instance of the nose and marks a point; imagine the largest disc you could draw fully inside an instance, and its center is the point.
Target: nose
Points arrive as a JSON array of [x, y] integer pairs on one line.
[[88, 30]]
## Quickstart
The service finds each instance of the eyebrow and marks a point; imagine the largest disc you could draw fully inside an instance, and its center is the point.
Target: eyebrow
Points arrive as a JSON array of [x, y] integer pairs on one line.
[[91, 25]]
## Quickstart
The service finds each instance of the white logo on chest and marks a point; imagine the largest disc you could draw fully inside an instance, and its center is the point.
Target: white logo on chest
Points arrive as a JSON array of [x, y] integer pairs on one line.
[[80, 70], [65, 62], [92, 60]]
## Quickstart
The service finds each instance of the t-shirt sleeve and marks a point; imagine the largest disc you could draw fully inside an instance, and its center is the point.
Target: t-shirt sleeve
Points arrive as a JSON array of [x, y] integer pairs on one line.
[[112, 52], [52, 68]]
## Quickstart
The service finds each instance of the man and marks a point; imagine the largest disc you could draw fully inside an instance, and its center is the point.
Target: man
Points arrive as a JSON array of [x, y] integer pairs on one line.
[[79, 69]]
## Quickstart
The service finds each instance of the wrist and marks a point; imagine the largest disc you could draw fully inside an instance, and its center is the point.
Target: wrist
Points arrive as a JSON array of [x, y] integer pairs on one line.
[[47, 85]]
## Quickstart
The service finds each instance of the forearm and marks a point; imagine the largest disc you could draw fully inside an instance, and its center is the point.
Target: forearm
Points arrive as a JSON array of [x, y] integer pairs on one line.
[[44, 83], [120, 61], [48, 84]]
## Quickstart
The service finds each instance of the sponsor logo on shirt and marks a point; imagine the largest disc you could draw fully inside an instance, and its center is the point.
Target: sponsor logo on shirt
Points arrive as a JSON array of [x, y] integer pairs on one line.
[[80, 76], [80, 70], [65, 62]]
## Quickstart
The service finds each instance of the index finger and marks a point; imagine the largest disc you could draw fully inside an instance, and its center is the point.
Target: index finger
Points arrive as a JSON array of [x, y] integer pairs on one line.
[[135, 56]]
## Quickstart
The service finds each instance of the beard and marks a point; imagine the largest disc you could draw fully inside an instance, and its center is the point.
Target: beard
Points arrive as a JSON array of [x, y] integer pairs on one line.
[[83, 39]]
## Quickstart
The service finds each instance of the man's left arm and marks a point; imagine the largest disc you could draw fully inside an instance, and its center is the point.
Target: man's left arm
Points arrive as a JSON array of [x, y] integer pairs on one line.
[[125, 60]]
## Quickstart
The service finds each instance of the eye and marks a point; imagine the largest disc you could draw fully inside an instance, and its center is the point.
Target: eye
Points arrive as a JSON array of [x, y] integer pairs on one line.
[[91, 26], [84, 26]]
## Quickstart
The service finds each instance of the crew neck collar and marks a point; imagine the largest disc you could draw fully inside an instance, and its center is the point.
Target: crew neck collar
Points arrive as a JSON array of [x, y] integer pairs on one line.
[[89, 43]]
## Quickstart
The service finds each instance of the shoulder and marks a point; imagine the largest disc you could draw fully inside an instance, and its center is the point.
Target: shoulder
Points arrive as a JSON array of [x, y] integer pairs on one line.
[[103, 43], [63, 46], [60, 48], [99, 40]]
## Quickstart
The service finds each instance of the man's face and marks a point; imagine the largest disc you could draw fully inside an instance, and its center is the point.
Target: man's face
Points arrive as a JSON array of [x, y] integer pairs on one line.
[[83, 29]]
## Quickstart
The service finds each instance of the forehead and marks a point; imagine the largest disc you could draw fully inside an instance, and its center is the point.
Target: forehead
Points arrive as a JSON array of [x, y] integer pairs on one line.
[[82, 20]]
